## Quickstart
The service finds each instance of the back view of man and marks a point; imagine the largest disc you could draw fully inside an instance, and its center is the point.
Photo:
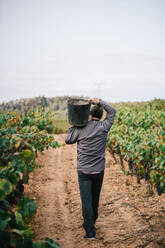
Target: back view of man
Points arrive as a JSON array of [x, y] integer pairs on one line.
[[91, 144]]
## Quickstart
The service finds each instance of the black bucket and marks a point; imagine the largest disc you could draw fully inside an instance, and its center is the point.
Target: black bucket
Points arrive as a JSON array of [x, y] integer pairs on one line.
[[78, 111]]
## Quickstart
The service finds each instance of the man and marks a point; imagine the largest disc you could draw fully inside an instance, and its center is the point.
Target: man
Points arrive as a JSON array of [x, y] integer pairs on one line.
[[91, 144]]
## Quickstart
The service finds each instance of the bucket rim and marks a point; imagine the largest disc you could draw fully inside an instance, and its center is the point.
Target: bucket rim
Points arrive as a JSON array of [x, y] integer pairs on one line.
[[86, 102]]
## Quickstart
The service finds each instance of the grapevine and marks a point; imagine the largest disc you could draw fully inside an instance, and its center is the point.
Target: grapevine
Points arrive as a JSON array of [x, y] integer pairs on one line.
[[138, 136], [21, 136]]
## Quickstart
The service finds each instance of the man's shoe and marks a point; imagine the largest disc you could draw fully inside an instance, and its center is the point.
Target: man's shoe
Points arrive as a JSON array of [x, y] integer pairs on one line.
[[90, 237]]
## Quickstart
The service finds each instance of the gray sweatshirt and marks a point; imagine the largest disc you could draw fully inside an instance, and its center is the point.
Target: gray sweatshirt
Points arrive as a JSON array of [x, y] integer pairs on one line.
[[91, 141]]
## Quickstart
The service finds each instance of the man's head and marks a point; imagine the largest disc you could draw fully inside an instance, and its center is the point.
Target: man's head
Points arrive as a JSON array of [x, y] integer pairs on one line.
[[96, 112]]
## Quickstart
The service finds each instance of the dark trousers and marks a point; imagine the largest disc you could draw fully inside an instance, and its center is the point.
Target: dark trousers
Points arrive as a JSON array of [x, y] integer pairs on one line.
[[90, 188]]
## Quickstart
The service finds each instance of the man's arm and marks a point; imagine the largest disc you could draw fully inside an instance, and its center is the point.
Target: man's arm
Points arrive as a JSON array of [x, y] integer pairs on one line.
[[111, 112], [72, 135]]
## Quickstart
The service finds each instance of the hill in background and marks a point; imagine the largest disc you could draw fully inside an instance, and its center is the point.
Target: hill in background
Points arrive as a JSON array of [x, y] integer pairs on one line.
[[54, 104], [58, 104]]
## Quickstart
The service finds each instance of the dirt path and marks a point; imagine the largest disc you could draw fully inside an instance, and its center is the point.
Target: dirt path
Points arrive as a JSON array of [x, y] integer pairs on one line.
[[128, 216]]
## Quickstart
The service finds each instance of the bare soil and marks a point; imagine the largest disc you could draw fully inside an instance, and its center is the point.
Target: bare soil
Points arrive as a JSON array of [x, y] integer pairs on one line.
[[129, 215]]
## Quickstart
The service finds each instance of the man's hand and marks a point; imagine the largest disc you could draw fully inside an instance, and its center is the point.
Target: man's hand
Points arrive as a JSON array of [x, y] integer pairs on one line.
[[94, 100]]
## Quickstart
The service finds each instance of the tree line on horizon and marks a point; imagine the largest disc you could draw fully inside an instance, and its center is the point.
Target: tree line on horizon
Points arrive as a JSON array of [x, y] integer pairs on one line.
[[57, 104], [47, 103]]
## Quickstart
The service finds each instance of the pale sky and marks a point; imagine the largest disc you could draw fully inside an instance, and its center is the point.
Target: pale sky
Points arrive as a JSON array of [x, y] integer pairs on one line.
[[112, 49]]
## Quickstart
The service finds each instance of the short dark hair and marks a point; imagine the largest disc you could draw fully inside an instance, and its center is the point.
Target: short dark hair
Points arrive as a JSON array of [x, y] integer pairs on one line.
[[96, 112]]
